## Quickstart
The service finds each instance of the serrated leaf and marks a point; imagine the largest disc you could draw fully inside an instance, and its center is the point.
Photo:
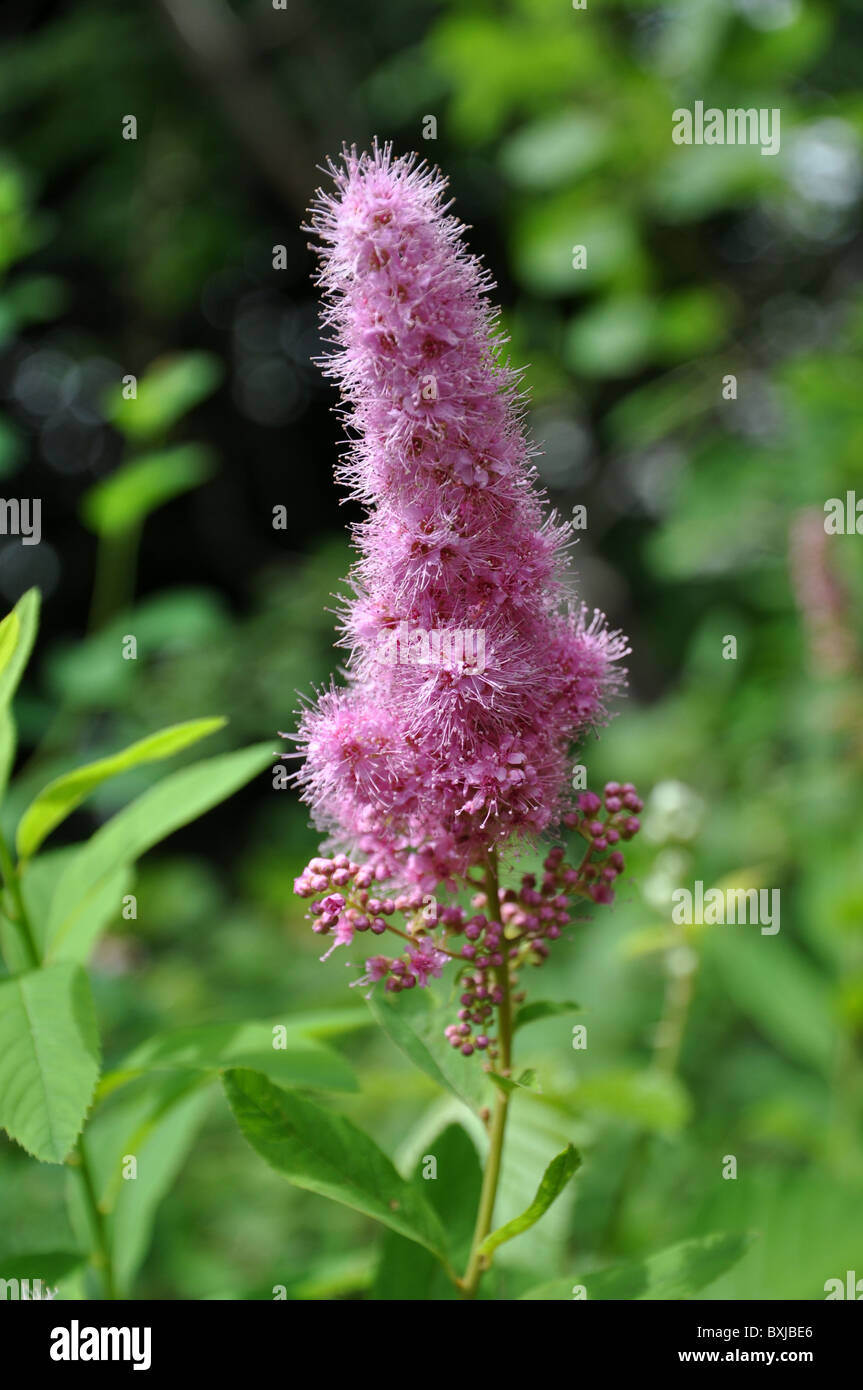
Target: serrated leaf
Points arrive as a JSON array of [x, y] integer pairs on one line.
[[17, 635], [416, 1026], [543, 1008], [59, 798], [175, 801], [537, 1130], [215, 1046], [407, 1271], [49, 1058], [328, 1154], [554, 1180], [673, 1274]]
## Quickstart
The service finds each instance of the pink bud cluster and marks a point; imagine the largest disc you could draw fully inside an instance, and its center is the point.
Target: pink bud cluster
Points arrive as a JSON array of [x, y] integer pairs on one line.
[[483, 943]]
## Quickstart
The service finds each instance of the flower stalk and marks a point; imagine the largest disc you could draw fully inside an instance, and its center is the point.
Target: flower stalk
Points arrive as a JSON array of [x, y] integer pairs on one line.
[[469, 1285], [472, 669]]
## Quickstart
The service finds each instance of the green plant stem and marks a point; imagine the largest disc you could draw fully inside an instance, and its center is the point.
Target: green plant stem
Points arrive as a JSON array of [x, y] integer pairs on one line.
[[13, 884], [114, 583], [101, 1254], [485, 1213]]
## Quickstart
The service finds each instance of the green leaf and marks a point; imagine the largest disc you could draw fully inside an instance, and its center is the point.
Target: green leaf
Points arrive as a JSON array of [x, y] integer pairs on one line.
[[127, 496], [15, 951], [9, 629], [779, 989], [48, 1265], [12, 447], [49, 1058], [214, 1046], [544, 1008], [155, 1123], [554, 1180], [17, 635], [546, 231], [328, 1154], [160, 1152], [8, 744], [648, 1097], [612, 338], [173, 802], [671, 1275], [525, 1081], [339, 1275], [35, 299], [552, 152], [171, 388], [691, 186], [407, 1271], [655, 411], [59, 799], [328, 1023], [39, 884], [416, 1026], [690, 323], [499, 63]]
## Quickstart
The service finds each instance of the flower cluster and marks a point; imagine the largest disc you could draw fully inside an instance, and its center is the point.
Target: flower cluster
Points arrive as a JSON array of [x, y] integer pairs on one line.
[[419, 770], [507, 935]]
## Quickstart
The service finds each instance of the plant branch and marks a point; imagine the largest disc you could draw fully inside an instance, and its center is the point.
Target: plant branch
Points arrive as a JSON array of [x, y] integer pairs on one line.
[[101, 1254], [215, 44], [485, 1214]]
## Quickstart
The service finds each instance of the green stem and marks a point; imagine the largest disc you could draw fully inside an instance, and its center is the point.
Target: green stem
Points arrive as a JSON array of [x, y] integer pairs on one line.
[[101, 1253], [21, 918], [114, 583], [485, 1213]]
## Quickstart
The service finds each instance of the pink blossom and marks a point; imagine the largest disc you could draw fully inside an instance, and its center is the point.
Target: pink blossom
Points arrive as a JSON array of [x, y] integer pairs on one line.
[[421, 769], [426, 961]]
